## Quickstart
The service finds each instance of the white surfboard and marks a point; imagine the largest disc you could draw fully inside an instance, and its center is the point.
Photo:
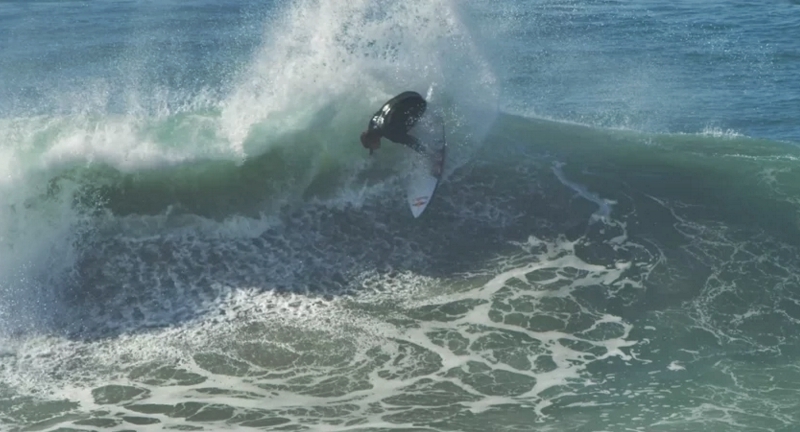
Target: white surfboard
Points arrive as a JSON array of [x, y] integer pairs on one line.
[[427, 170]]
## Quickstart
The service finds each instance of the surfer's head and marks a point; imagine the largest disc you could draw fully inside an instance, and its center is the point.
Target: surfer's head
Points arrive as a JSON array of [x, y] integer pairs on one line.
[[371, 139]]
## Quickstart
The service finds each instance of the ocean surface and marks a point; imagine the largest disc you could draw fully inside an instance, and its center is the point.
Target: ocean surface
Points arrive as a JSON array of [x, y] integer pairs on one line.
[[192, 237]]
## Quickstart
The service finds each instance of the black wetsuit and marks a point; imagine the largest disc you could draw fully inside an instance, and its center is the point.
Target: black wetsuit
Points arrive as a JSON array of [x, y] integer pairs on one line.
[[397, 116]]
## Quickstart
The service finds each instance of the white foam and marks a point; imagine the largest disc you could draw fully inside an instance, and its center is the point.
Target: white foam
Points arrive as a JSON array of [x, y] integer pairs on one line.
[[363, 331], [676, 366], [717, 132], [603, 212]]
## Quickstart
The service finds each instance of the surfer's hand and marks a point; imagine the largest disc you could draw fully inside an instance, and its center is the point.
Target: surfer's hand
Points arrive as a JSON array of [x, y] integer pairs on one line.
[[370, 141]]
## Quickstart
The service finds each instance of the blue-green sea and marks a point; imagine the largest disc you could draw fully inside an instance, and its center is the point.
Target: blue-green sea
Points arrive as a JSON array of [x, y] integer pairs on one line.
[[193, 238]]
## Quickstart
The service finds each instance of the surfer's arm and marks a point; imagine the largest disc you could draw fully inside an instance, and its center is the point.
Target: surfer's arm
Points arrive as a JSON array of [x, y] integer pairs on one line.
[[371, 138]]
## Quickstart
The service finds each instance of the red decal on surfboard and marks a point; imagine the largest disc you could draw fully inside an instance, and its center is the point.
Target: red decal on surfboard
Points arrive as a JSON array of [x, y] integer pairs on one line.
[[420, 201]]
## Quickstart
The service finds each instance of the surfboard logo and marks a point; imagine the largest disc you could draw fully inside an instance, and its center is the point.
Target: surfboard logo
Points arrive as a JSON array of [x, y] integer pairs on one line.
[[420, 201]]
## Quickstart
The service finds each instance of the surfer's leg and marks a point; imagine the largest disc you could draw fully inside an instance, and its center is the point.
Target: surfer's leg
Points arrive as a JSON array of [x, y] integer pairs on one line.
[[437, 158], [412, 142], [438, 164]]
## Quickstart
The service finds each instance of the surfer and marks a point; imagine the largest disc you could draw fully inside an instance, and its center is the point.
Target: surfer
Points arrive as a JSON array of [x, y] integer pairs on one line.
[[393, 121]]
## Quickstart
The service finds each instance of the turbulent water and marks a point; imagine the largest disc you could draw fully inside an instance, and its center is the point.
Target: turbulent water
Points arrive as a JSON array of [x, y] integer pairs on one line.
[[192, 238]]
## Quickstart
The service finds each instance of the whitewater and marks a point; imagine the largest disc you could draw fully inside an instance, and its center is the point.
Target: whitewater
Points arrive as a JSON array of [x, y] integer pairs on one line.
[[192, 237]]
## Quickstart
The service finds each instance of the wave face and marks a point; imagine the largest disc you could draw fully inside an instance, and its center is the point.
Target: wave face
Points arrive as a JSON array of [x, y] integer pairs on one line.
[[278, 129], [191, 235]]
